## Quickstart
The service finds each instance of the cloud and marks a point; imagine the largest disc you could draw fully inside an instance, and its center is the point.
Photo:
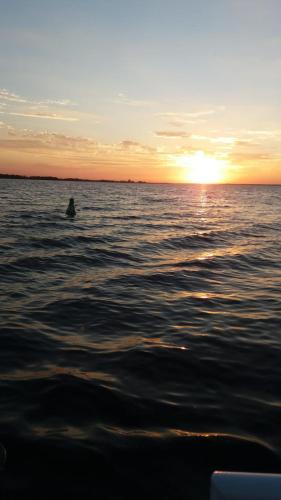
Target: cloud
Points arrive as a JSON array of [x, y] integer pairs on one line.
[[11, 131], [62, 102], [224, 140], [47, 116], [27, 139], [246, 142], [15, 98], [9, 96], [171, 134], [181, 118], [245, 157], [184, 115], [60, 140], [8, 128], [136, 147], [77, 152], [198, 114], [177, 119], [15, 144], [263, 134], [128, 144], [197, 137], [183, 122], [12, 104], [123, 99]]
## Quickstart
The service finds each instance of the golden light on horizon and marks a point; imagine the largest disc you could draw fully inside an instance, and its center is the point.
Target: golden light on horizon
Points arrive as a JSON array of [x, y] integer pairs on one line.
[[202, 169]]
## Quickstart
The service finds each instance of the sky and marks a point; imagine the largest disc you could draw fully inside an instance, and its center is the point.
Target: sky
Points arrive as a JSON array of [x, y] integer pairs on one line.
[[151, 90]]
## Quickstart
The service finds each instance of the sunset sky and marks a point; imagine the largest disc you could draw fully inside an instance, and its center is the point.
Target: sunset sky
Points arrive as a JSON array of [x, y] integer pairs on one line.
[[153, 90]]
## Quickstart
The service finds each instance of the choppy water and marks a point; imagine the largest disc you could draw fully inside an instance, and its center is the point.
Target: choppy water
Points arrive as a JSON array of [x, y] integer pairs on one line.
[[140, 342]]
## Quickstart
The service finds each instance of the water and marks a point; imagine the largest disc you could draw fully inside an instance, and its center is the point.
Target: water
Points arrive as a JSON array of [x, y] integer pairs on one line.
[[140, 341]]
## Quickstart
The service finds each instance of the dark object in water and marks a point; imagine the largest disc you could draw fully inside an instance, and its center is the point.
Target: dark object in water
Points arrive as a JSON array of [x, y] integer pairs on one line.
[[70, 211]]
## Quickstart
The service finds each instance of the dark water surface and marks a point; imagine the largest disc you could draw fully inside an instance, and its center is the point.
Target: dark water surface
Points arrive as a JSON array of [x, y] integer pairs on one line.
[[140, 341]]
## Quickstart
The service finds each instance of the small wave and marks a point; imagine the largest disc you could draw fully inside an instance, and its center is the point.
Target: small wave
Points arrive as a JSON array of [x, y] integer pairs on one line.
[[71, 262]]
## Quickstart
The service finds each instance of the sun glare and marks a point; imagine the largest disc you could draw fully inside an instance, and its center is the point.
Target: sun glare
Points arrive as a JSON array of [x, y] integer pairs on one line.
[[202, 169]]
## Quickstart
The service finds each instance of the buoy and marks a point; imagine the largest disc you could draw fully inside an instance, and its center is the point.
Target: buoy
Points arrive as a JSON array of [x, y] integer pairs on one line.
[[70, 211]]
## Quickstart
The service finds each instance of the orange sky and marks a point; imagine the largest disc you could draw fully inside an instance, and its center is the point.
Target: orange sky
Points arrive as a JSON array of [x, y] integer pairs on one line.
[[54, 154]]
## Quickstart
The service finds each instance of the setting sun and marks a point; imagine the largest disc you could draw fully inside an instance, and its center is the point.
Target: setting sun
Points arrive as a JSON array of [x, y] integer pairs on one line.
[[202, 169]]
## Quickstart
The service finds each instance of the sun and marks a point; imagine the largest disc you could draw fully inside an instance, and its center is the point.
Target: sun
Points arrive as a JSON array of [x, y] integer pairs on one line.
[[202, 169]]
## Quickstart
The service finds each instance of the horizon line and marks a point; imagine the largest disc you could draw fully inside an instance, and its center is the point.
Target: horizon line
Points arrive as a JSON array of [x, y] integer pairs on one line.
[[129, 181]]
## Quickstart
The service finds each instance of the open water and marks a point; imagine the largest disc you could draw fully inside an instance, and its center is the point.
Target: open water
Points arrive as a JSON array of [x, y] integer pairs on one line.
[[140, 341]]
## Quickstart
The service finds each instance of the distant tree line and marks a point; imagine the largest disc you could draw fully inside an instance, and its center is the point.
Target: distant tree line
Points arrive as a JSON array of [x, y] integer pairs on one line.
[[51, 178]]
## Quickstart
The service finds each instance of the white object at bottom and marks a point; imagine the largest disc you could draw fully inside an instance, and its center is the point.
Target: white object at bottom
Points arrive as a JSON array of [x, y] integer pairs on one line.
[[245, 486]]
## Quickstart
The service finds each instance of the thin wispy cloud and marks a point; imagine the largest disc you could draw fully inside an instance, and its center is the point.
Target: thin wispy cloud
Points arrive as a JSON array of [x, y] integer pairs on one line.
[[123, 99], [12, 104], [247, 143], [170, 134], [198, 137], [224, 140], [199, 114], [245, 157], [47, 140], [61, 102], [183, 122], [9, 96], [263, 134], [182, 118], [129, 144], [19, 144], [26, 139], [6, 95], [46, 116], [137, 147]]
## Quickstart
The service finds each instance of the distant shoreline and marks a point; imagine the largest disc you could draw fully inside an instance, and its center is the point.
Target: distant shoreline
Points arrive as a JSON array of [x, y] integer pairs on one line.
[[70, 179]]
